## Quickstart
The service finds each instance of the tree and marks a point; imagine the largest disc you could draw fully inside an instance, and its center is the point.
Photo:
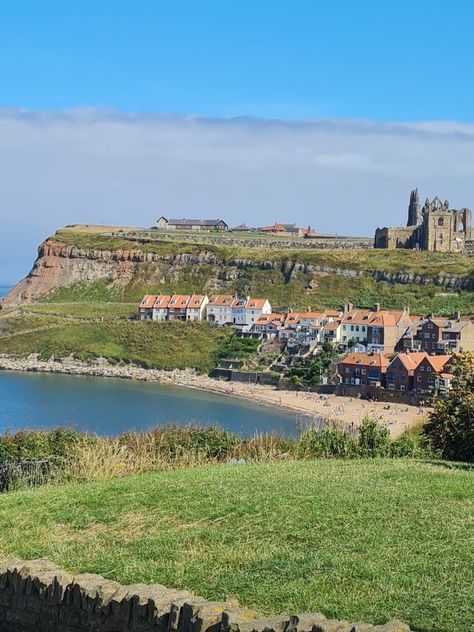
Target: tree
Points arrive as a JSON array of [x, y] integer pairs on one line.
[[450, 427]]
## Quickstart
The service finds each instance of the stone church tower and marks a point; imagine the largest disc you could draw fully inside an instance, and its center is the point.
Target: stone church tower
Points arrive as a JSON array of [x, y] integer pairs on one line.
[[414, 209], [435, 226]]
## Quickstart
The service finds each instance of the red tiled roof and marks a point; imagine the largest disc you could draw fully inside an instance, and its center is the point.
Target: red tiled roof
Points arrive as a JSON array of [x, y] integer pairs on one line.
[[293, 318], [265, 319], [411, 360], [222, 300], [438, 361], [196, 301], [148, 301], [367, 359], [162, 301], [255, 303], [178, 301]]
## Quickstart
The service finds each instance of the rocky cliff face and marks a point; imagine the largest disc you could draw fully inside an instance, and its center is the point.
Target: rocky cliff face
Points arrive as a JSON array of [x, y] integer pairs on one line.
[[61, 265]]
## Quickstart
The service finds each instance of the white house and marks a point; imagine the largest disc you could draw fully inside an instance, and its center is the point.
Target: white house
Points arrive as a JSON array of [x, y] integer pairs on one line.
[[246, 311], [160, 307], [197, 307], [219, 309], [254, 308]]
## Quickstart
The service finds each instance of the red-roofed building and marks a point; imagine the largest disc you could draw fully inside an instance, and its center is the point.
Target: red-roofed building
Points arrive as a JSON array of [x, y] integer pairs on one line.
[[401, 371], [363, 369], [269, 323], [145, 309], [429, 370], [219, 309], [177, 306], [196, 308], [160, 307], [246, 311]]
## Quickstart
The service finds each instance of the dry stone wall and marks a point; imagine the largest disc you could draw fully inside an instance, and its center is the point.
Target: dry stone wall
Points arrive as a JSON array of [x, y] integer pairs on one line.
[[36, 596]]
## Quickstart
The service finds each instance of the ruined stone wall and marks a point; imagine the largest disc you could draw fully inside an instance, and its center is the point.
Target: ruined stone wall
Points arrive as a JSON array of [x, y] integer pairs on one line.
[[38, 597]]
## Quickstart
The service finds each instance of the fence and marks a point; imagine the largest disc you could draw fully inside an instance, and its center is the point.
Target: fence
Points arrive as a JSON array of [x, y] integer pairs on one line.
[[30, 473]]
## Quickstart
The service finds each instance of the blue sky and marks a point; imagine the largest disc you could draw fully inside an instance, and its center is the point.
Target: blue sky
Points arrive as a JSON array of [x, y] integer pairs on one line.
[[324, 113], [385, 60]]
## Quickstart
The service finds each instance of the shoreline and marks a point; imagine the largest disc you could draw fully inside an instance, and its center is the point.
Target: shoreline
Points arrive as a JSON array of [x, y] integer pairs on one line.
[[346, 412]]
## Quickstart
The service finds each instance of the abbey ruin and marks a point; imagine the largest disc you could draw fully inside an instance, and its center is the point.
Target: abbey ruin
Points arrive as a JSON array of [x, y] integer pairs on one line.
[[434, 226]]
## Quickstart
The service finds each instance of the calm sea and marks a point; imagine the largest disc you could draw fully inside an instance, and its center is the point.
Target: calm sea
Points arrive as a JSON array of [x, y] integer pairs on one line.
[[4, 290], [111, 406]]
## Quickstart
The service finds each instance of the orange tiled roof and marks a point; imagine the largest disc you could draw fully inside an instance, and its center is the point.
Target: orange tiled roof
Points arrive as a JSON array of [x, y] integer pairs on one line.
[[312, 315], [332, 326], [438, 361], [161, 301], [367, 359], [411, 360], [293, 318], [255, 303], [279, 228], [196, 301], [178, 301], [222, 300], [357, 317], [265, 319], [148, 301]]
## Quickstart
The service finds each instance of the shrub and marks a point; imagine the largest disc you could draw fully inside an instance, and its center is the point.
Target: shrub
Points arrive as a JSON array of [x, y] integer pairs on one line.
[[373, 439], [450, 427], [327, 442]]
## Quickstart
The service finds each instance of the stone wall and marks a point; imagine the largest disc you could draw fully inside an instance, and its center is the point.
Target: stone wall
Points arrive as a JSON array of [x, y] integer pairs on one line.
[[38, 597]]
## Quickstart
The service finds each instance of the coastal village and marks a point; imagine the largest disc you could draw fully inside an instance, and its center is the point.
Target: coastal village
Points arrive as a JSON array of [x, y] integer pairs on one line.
[[376, 349]]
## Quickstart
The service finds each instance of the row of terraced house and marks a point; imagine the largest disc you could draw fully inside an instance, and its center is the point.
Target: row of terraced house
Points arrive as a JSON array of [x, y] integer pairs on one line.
[[362, 330], [219, 309]]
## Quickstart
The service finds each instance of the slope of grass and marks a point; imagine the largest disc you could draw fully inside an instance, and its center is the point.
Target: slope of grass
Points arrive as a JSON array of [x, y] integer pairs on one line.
[[168, 346], [329, 291], [359, 540]]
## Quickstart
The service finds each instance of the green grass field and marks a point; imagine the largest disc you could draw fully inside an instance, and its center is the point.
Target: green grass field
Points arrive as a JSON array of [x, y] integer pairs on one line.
[[172, 345], [355, 539]]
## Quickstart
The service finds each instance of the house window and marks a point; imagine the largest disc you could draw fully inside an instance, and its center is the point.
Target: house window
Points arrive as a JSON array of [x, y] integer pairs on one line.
[[402, 387], [422, 368], [418, 379], [428, 368], [357, 328]]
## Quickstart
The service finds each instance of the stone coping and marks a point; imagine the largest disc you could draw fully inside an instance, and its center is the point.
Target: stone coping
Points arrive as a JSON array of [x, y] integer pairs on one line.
[[37, 596]]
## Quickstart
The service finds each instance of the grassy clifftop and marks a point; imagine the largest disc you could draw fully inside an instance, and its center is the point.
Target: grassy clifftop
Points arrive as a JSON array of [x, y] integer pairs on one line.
[[429, 264], [359, 540]]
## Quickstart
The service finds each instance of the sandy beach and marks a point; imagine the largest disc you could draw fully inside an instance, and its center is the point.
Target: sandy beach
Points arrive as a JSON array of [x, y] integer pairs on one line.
[[346, 411]]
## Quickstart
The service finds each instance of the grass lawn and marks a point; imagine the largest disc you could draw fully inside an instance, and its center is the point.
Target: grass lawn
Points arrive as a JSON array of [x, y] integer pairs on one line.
[[172, 345], [356, 539]]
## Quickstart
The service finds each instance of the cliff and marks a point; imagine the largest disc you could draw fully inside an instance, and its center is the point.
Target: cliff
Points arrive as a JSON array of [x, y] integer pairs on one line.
[[127, 266]]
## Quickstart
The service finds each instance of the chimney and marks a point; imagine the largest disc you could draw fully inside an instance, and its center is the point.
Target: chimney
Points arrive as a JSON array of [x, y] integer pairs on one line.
[[376, 307], [406, 310], [347, 307], [457, 315]]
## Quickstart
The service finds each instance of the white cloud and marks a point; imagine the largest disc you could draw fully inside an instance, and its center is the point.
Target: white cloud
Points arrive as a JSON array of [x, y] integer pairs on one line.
[[100, 166]]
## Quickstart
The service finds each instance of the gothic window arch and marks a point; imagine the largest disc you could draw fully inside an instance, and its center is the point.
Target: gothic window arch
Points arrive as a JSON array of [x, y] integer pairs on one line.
[[441, 221]]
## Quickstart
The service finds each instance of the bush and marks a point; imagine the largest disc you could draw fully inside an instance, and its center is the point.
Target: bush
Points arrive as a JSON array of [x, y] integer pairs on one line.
[[450, 427], [327, 442], [52, 445], [373, 439]]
